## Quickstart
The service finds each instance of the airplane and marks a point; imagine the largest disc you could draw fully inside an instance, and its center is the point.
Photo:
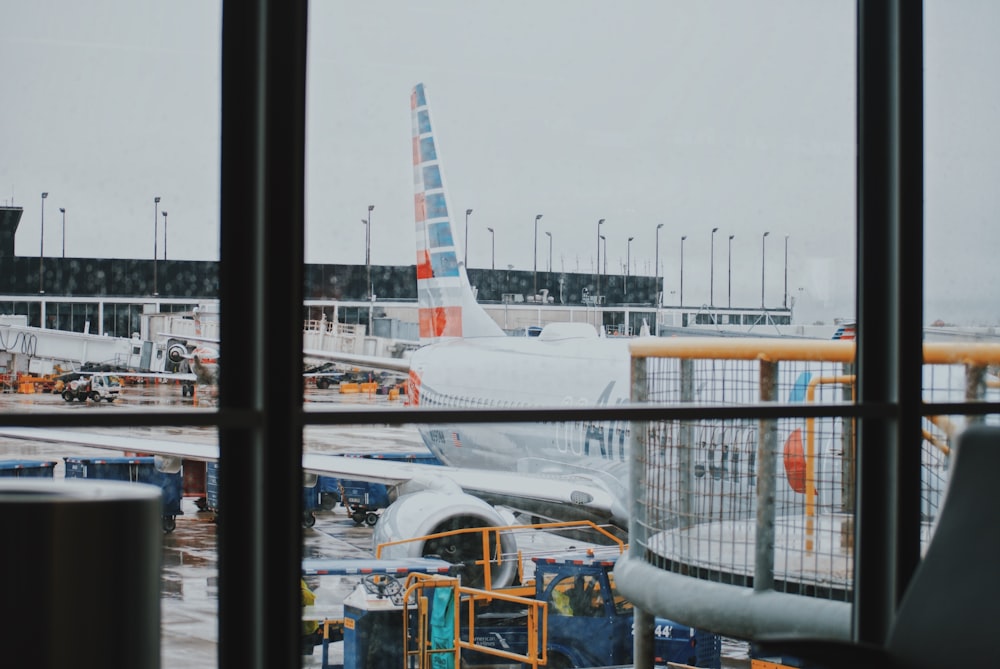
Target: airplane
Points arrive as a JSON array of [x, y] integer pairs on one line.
[[559, 471], [566, 472], [196, 359]]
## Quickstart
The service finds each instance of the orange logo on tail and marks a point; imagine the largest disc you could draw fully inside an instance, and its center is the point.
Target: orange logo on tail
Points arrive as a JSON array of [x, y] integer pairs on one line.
[[441, 322], [413, 389]]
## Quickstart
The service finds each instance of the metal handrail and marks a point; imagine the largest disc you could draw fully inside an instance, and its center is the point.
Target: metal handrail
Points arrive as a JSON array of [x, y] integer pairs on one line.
[[486, 532]]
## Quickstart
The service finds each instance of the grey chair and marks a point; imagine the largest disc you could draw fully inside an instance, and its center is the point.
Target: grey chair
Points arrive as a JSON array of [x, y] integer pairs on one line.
[[948, 616]]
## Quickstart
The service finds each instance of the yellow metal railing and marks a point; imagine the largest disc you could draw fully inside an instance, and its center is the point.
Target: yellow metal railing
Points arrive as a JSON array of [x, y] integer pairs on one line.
[[773, 350], [491, 545], [846, 379], [420, 648], [717, 498]]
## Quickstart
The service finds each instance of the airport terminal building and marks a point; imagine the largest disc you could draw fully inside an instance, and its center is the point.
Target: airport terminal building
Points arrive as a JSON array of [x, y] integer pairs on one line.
[[108, 296]]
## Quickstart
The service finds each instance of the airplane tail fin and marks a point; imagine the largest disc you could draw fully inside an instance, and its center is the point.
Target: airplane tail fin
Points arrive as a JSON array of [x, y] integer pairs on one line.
[[448, 307]]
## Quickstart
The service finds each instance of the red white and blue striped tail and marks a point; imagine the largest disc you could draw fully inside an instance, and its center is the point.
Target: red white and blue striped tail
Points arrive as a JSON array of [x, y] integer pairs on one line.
[[448, 307]]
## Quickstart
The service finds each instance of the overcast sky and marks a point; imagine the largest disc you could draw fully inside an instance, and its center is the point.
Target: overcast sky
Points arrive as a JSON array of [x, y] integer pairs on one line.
[[696, 115]]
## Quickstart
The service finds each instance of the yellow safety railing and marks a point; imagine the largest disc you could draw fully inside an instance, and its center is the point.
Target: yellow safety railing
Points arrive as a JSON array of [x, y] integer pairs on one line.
[[845, 379], [419, 647], [490, 539], [720, 499]]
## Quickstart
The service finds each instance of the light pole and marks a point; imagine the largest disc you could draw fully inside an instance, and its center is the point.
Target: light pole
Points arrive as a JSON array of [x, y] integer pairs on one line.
[[493, 249], [730, 302], [598, 268], [762, 240], [156, 236], [784, 303], [368, 248], [364, 222], [164, 235], [550, 250], [537, 216], [62, 210], [711, 272], [41, 249], [467, 213], [656, 268], [683, 237], [605, 240], [628, 262]]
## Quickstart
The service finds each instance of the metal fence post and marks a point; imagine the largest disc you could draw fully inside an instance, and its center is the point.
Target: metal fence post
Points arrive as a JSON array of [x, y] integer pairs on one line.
[[767, 461]]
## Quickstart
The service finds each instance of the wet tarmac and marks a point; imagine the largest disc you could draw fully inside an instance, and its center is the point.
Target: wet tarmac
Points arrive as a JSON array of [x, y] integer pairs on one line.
[[189, 593]]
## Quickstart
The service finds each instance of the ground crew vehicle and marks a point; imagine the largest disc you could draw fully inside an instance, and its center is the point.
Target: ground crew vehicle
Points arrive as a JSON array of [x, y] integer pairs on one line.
[[370, 572], [566, 613], [589, 624], [364, 499], [96, 387]]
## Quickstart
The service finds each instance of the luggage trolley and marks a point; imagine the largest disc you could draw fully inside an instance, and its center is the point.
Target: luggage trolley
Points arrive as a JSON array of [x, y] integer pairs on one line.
[[136, 470], [363, 499], [27, 469]]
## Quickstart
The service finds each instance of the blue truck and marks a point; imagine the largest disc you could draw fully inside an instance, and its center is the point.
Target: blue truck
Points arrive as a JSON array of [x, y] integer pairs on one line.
[[590, 622]]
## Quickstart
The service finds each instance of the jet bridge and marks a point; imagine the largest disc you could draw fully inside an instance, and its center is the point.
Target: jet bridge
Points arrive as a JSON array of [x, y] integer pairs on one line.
[[26, 349]]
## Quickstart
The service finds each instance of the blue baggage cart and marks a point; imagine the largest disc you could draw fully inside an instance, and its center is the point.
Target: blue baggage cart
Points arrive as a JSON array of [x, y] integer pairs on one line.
[[27, 468], [310, 495], [136, 470], [362, 499]]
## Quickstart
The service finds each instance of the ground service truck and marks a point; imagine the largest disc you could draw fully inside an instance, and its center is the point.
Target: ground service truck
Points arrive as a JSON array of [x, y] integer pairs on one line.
[[568, 614], [96, 387]]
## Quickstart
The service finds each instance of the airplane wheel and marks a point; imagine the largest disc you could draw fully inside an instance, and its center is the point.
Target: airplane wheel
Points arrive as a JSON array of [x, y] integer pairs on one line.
[[371, 518], [169, 524]]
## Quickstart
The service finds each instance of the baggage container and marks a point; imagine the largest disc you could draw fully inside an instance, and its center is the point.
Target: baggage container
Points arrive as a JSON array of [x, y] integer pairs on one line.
[[27, 469], [362, 499], [135, 470], [310, 495]]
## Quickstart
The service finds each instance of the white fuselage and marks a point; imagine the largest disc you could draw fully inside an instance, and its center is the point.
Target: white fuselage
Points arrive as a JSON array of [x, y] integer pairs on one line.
[[528, 372]]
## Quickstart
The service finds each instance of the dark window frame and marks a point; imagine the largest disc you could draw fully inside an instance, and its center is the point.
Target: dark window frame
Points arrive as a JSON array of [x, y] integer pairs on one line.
[[260, 416]]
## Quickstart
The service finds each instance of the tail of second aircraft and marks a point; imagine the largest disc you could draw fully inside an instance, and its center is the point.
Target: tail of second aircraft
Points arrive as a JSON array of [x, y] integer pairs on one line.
[[448, 307]]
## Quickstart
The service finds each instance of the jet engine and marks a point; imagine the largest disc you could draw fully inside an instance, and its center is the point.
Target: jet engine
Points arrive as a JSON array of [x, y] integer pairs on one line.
[[167, 464], [426, 512], [177, 353]]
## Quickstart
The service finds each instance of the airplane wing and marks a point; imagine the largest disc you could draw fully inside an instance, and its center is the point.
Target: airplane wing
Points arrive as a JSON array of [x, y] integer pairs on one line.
[[166, 376], [577, 496], [567, 497], [373, 361], [189, 337], [130, 443]]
